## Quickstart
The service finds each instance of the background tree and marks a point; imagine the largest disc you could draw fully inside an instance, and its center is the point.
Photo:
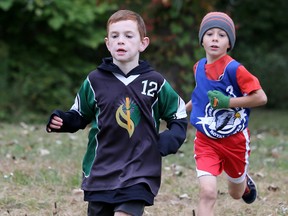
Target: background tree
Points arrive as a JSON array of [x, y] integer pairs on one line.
[[263, 45], [47, 47]]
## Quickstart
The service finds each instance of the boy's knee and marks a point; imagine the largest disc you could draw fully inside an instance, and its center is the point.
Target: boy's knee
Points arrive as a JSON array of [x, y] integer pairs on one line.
[[208, 194]]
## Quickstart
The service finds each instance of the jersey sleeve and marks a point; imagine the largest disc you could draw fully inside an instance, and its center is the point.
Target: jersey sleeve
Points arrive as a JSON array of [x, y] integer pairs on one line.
[[85, 103], [80, 114], [247, 82], [171, 105], [172, 110]]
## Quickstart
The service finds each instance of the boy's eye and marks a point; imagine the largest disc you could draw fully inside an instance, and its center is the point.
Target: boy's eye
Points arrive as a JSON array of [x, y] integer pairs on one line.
[[222, 34], [114, 36]]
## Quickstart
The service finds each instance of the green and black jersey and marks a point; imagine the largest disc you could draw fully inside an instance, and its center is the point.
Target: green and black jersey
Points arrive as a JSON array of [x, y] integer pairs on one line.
[[125, 112]]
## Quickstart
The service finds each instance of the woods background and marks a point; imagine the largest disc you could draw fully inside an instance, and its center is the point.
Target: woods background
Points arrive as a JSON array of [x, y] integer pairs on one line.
[[47, 47]]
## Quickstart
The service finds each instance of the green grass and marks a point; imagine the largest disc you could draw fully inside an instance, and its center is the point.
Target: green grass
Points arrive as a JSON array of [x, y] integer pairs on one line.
[[40, 173]]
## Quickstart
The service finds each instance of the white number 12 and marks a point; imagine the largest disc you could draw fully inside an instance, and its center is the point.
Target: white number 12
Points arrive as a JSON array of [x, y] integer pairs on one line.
[[149, 88]]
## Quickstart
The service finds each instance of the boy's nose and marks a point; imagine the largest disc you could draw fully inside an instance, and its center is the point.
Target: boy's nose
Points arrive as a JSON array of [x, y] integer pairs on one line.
[[121, 39], [214, 37]]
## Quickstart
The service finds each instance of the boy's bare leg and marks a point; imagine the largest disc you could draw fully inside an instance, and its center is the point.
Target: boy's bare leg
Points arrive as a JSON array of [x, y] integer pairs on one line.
[[207, 195], [236, 191]]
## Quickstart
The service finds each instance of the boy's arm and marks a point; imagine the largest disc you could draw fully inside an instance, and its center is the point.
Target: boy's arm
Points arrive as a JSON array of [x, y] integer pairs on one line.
[[188, 106], [78, 116], [171, 108], [171, 140], [218, 100], [72, 121], [254, 99]]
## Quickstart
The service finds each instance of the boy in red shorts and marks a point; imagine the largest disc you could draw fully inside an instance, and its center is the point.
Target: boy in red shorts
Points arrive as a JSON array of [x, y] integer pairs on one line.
[[220, 104]]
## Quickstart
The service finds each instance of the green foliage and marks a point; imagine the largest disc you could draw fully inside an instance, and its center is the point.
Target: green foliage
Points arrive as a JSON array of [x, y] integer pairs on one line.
[[261, 45], [5, 4], [43, 68], [271, 70], [47, 47]]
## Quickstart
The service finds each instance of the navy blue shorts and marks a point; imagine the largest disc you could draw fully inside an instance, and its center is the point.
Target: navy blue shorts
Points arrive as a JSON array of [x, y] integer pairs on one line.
[[138, 192], [135, 208]]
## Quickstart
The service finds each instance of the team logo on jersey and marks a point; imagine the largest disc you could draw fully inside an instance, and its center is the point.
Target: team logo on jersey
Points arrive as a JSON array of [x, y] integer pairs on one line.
[[219, 123], [128, 115]]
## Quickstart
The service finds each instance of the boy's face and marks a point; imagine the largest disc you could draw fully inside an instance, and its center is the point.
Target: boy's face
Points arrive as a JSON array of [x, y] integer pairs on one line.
[[124, 42], [215, 42]]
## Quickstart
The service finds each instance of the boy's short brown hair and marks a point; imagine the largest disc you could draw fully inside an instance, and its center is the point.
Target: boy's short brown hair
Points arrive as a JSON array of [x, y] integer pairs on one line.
[[121, 15]]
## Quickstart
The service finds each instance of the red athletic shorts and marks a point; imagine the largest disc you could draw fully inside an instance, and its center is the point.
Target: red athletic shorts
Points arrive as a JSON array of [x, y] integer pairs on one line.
[[230, 154]]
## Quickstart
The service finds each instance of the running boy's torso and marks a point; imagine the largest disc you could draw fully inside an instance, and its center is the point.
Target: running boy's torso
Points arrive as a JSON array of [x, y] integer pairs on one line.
[[125, 113], [217, 123]]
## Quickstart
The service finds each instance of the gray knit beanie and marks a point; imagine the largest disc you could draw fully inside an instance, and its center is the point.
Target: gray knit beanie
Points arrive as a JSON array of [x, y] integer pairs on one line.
[[218, 20]]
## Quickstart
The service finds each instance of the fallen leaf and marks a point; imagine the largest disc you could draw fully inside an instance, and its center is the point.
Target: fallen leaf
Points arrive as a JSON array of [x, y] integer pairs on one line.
[[44, 152], [184, 196], [273, 188]]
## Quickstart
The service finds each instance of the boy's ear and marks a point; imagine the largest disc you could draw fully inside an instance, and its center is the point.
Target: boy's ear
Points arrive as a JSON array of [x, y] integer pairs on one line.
[[106, 42], [144, 44]]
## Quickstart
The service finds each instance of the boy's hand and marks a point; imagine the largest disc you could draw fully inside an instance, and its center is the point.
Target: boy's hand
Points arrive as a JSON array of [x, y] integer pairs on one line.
[[218, 100], [54, 123]]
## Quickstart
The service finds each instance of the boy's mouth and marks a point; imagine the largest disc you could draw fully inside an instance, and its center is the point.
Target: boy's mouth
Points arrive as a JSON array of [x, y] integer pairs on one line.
[[121, 50]]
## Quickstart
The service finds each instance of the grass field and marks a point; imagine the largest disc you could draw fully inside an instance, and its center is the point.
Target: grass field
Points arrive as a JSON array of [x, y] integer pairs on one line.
[[40, 173]]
